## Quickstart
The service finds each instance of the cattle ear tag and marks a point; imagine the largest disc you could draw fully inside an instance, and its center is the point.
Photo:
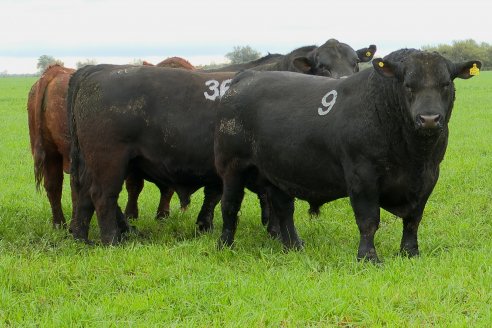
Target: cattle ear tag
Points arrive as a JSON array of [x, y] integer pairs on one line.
[[474, 70], [368, 54], [381, 64]]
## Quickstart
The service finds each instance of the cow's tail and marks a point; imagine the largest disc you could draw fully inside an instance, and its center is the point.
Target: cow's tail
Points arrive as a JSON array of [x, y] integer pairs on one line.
[[75, 159], [35, 115]]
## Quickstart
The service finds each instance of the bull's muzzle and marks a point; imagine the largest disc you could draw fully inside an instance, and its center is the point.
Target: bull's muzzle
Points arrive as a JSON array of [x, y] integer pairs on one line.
[[433, 121]]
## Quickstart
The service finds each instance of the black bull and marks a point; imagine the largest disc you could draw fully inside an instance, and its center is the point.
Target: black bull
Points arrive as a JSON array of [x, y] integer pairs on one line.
[[157, 122], [377, 137]]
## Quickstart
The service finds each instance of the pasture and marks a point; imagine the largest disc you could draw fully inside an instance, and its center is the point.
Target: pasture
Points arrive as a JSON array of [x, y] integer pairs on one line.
[[169, 275]]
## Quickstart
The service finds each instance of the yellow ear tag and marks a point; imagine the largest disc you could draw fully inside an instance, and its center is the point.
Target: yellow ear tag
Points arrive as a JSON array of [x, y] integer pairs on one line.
[[381, 64], [368, 54], [474, 70]]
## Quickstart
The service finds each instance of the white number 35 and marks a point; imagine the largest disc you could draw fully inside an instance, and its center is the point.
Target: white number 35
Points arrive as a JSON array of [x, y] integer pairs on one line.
[[327, 104], [218, 89]]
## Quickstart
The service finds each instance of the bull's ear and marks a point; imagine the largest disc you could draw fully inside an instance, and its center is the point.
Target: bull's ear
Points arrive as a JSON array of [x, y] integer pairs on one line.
[[303, 64], [384, 68], [466, 70], [366, 54]]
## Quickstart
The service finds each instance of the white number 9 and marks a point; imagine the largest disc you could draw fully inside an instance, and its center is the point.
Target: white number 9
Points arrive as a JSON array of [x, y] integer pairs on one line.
[[327, 104]]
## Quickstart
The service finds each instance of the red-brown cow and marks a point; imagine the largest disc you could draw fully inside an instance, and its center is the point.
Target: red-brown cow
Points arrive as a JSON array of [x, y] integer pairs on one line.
[[50, 144], [48, 131], [172, 62], [176, 62]]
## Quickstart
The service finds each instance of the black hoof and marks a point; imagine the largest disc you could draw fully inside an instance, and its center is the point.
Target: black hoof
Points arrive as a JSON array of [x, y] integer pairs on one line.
[[112, 239], [79, 235], [205, 227], [83, 239], [226, 240], [369, 256], [59, 225], [409, 252], [314, 211], [274, 232], [161, 215], [131, 229], [294, 245], [130, 215]]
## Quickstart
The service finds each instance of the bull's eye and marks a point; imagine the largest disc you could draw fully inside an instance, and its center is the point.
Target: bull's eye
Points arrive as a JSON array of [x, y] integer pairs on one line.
[[446, 85], [409, 88], [356, 65]]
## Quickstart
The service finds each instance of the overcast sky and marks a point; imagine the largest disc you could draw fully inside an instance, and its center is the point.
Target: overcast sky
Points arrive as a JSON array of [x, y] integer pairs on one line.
[[117, 31]]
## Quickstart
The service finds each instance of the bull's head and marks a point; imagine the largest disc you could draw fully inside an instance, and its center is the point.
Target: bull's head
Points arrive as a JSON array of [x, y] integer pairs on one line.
[[426, 88], [334, 59]]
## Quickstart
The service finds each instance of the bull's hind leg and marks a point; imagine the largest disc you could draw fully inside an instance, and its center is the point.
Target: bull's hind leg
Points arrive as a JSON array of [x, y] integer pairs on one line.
[[282, 209], [134, 185], [108, 175], [206, 215], [111, 224], [232, 197], [53, 184], [82, 214]]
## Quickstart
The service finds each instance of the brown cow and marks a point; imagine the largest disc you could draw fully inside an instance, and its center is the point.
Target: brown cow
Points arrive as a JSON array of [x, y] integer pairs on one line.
[[176, 62], [50, 144], [48, 131], [173, 62]]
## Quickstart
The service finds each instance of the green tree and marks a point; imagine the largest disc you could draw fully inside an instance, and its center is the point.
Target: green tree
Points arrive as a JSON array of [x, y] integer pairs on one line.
[[240, 54], [136, 61], [86, 62], [45, 61], [464, 50]]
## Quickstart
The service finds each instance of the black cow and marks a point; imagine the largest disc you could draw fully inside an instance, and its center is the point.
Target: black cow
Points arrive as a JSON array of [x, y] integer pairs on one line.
[[156, 122], [377, 137], [333, 58]]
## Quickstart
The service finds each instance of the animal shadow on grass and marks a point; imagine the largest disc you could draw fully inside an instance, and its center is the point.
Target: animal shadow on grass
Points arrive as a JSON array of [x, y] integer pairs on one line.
[[177, 227]]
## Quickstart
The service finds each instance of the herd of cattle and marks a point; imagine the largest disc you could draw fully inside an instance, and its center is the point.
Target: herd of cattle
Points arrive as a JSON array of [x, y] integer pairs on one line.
[[304, 125]]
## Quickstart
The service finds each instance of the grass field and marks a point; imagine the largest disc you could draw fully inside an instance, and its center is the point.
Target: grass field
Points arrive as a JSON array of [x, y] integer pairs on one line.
[[169, 276]]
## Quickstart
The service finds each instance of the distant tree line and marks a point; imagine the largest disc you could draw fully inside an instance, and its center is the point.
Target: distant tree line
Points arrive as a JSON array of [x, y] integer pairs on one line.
[[45, 61], [460, 50], [464, 50], [238, 55]]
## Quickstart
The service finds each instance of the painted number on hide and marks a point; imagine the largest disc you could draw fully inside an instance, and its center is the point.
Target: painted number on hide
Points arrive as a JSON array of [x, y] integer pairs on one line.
[[327, 102], [216, 88]]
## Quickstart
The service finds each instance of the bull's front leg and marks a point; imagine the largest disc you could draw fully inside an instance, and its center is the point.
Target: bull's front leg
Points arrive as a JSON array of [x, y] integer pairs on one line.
[[164, 202], [409, 244], [232, 197], [83, 209], [134, 186], [282, 211]]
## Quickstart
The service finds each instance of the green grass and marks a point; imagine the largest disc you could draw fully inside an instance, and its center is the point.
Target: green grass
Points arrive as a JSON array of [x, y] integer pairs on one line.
[[168, 275]]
